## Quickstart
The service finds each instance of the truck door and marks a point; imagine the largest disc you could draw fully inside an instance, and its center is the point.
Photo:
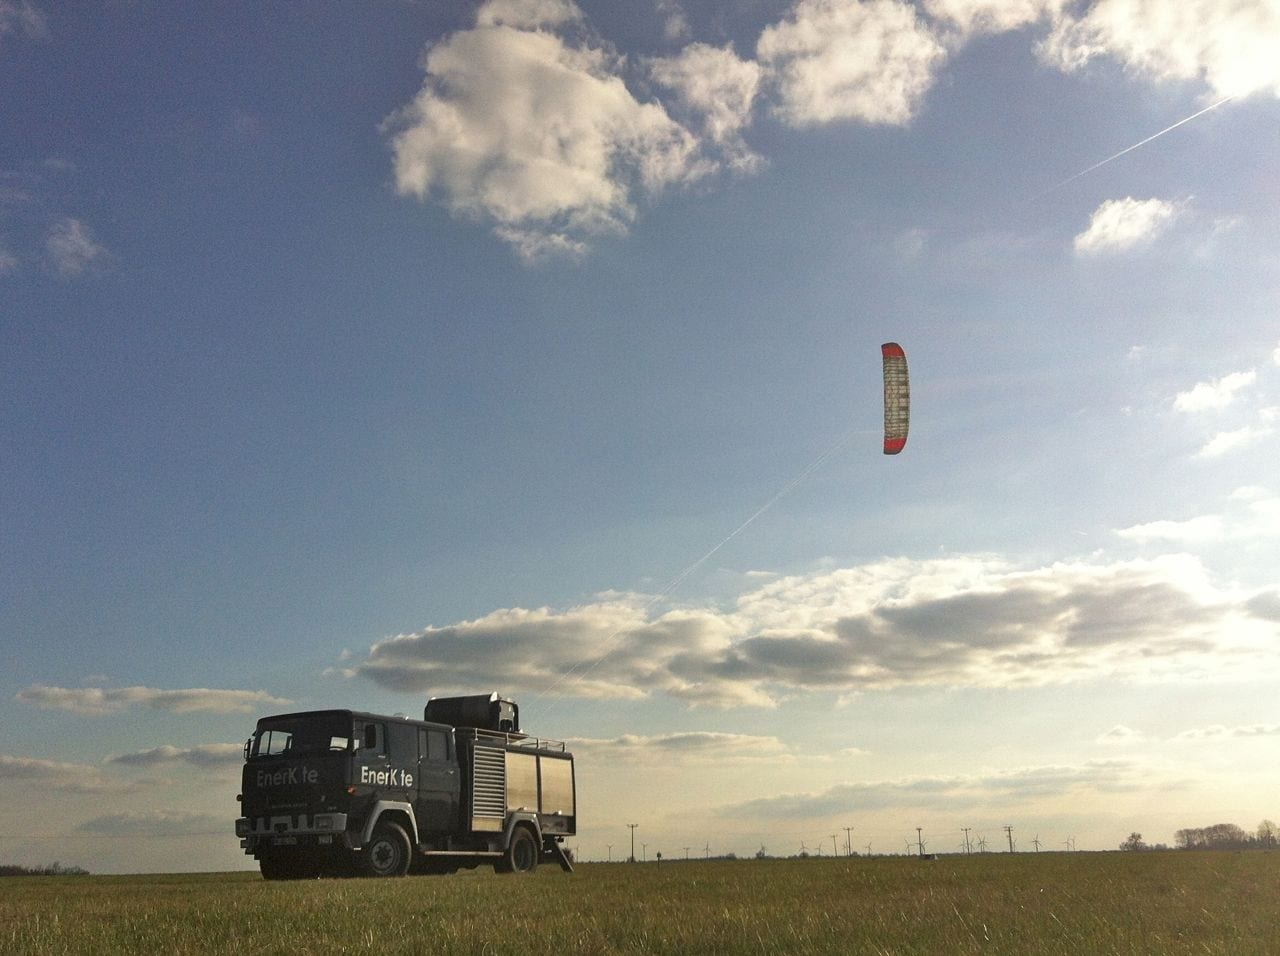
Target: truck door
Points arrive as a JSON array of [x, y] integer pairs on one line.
[[371, 764], [439, 782]]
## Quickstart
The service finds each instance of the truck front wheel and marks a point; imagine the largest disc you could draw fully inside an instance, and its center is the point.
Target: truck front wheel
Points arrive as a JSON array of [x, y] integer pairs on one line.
[[522, 853], [387, 853]]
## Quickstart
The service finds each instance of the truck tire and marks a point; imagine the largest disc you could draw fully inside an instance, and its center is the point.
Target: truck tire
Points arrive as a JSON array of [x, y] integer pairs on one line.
[[522, 853], [387, 853]]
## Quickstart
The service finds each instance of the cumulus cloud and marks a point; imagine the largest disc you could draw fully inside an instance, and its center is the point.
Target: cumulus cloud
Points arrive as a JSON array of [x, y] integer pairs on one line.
[[1232, 45], [204, 756], [966, 621], [1198, 530], [991, 16], [23, 19], [868, 60], [948, 793], [1122, 224], [529, 123], [1250, 512], [540, 136], [95, 701], [72, 248], [528, 14], [1214, 395], [717, 88], [1228, 441]]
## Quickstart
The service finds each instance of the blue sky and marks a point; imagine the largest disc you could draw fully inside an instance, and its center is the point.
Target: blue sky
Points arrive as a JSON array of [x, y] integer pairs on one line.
[[373, 351]]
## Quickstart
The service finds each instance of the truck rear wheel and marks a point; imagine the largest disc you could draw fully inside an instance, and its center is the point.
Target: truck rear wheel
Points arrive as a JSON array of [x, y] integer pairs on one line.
[[387, 853], [522, 853]]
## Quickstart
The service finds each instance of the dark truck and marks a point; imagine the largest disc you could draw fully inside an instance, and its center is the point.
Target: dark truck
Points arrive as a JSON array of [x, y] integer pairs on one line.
[[340, 792]]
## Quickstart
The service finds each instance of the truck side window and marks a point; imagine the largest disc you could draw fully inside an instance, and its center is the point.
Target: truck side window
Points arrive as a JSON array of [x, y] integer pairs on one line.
[[402, 743], [371, 739], [437, 746]]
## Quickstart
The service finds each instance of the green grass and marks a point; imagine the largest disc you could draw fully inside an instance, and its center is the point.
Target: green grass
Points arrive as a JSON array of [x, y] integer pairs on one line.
[[1176, 902]]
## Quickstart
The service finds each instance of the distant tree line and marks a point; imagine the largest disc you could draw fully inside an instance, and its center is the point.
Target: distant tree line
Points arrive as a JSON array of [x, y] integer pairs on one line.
[[53, 869], [1220, 836]]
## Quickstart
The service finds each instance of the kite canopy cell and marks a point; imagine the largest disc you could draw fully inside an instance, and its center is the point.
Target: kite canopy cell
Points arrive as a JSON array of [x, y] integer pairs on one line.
[[897, 398]]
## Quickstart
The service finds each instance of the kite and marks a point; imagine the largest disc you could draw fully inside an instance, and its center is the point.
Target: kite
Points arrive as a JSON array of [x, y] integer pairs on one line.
[[897, 398]]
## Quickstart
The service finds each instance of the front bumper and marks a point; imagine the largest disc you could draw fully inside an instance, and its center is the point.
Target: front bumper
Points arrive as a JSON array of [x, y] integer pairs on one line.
[[323, 830]]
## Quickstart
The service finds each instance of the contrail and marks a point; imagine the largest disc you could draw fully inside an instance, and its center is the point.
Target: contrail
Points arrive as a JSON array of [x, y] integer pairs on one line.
[[1130, 149], [580, 671]]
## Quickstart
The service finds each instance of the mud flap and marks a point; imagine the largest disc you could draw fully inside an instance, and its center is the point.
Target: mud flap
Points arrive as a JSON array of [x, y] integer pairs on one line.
[[558, 854]]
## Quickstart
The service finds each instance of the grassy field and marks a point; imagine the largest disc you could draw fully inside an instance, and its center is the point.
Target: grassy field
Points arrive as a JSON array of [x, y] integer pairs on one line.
[[1175, 902]]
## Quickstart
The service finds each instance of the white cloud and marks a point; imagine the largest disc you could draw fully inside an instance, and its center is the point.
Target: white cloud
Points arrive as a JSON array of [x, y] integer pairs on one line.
[[1198, 530], [542, 138], [72, 248], [718, 88], [1121, 224], [528, 14], [1213, 395], [867, 60], [25, 19], [991, 16], [1233, 45], [1226, 442], [965, 621], [1252, 512], [99, 700], [675, 25]]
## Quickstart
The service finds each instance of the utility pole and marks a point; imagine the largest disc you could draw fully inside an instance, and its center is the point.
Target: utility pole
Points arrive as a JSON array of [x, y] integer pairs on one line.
[[707, 852], [967, 847], [686, 853], [920, 842], [848, 841], [610, 852], [1008, 831], [644, 852], [632, 827], [835, 850]]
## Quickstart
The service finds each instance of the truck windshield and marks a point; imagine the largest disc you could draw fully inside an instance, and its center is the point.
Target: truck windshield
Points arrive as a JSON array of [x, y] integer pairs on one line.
[[302, 735]]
